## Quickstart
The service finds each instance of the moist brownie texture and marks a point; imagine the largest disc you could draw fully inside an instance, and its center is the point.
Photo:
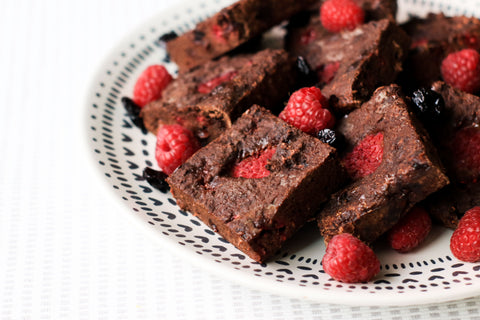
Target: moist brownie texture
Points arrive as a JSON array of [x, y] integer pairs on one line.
[[229, 28], [258, 215], [409, 170], [352, 64], [462, 110], [433, 38], [208, 98]]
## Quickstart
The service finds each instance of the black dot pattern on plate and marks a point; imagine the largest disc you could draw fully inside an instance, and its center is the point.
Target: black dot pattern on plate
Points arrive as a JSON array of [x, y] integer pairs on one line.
[[122, 151]]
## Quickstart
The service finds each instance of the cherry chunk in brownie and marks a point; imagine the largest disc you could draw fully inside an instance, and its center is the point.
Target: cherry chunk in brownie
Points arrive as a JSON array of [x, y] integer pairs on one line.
[[207, 99], [458, 141], [352, 64], [229, 28], [258, 214], [433, 38], [393, 165]]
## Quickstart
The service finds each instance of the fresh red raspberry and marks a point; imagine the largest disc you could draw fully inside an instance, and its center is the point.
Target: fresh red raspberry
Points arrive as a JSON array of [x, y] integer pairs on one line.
[[208, 86], [465, 240], [365, 157], [410, 231], [465, 148], [339, 15], [253, 167], [175, 144], [461, 70], [306, 110], [349, 260], [150, 84]]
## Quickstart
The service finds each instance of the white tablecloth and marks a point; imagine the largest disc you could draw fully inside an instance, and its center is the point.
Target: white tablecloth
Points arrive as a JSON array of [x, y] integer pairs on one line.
[[65, 251]]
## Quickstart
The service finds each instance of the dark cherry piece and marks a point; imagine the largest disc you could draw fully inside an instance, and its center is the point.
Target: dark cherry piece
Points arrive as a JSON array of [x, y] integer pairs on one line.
[[133, 111]]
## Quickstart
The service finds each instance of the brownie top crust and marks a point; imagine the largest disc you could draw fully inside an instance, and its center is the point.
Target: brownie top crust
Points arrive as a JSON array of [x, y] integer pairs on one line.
[[462, 111], [409, 171], [437, 29], [258, 215], [378, 45], [229, 28], [209, 169], [207, 99], [433, 38]]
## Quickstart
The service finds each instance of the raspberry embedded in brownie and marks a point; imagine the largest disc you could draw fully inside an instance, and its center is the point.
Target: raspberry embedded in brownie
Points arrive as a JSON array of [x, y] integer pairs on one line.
[[409, 170], [258, 213]]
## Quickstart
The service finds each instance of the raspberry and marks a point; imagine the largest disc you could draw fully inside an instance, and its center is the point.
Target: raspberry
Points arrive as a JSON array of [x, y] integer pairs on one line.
[[339, 15], [208, 86], [253, 167], [306, 111], [465, 148], [465, 241], [365, 157], [150, 84], [175, 144], [410, 231], [462, 70], [349, 260]]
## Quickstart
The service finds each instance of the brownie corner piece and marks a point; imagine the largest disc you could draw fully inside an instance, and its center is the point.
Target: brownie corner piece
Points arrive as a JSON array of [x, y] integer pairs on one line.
[[257, 215], [409, 170], [352, 64], [229, 28], [433, 38]]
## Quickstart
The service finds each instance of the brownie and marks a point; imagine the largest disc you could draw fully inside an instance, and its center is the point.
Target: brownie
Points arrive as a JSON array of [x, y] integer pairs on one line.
[[409, 170], [207, 99], [352, 64], [258, 215], [307, 24], [230, 28], [462, 112], [433, 38]]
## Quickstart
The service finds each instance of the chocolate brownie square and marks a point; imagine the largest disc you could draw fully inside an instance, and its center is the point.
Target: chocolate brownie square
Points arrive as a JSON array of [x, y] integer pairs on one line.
[[409, 170], [433, 38], [352, 64], [229, 28], [258, 215], [207, 99], [462, 115]]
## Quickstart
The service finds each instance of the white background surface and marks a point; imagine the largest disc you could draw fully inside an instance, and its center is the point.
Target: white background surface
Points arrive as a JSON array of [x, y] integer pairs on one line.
[[66, 251]]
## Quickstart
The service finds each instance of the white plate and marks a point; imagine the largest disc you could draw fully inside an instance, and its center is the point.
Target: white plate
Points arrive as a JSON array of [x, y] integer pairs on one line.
[[121, 151]]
